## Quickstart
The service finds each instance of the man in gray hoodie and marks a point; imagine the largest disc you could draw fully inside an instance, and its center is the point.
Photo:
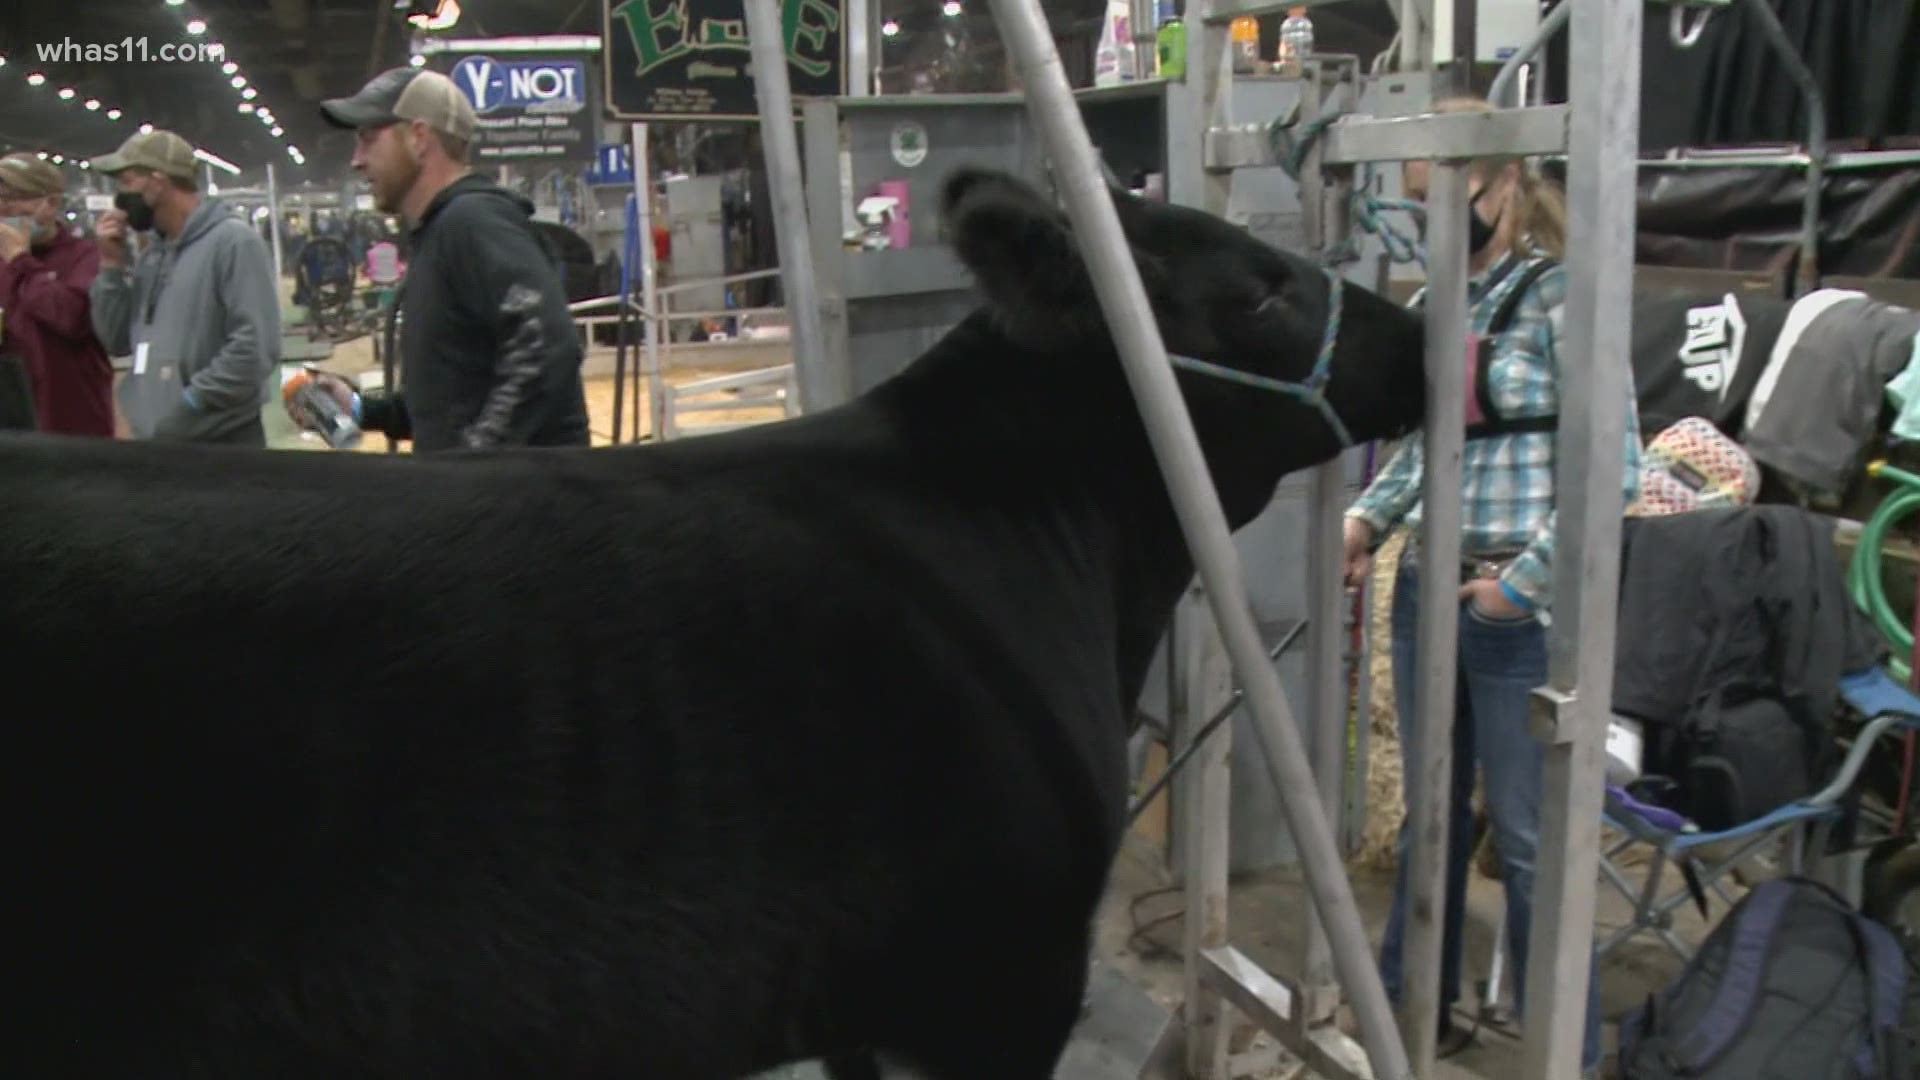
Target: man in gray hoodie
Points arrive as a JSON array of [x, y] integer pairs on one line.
[[199, 312]]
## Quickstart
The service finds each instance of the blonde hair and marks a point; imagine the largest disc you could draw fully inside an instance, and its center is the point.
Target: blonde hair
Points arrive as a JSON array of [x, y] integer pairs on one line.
[[1541, 207]]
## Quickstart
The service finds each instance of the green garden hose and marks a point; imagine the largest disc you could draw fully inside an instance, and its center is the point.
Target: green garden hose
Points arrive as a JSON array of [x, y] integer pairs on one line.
[[1864, 581]]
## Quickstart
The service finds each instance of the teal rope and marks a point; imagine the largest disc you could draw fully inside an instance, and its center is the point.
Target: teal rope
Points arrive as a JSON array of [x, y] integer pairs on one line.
[[1366, 211], [1313, 390]]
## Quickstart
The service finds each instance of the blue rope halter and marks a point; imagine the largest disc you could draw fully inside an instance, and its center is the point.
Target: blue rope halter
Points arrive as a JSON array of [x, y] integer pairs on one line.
[[1313, 390]]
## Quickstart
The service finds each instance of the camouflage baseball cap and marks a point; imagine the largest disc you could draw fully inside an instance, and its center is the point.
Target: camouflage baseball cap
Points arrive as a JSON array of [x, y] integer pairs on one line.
[[25, 176], [162, 151]]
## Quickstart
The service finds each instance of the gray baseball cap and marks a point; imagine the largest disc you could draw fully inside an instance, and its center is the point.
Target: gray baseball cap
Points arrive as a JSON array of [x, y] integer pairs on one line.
[[405, 94]]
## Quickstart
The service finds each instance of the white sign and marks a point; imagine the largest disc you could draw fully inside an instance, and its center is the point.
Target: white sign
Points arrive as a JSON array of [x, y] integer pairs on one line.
[[909, 143]]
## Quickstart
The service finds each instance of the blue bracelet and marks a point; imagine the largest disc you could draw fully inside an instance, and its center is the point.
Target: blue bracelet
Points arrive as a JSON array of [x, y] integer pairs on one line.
[[1513, 597], [356, 407]]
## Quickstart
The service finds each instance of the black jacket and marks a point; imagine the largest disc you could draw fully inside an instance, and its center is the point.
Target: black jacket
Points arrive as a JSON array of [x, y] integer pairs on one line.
[[488, 353], [1718, 596]]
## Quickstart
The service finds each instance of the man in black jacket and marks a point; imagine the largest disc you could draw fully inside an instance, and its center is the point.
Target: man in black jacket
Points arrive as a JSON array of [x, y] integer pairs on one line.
[[488, 352]]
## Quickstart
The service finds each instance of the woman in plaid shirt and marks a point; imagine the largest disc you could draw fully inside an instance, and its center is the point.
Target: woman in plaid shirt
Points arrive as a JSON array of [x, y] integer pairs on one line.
[[1517, 235]]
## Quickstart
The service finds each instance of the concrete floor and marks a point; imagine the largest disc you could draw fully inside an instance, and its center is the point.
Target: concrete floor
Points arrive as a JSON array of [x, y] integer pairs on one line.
[[1265, 916]]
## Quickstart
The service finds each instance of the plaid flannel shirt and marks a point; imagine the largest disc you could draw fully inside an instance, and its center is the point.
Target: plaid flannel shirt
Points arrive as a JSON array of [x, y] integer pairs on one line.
[[1507, 483]]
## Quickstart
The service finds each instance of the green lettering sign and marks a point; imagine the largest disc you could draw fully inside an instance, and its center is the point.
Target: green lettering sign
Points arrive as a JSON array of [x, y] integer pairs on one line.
[[724, 34], [795, 28], [646, 26]]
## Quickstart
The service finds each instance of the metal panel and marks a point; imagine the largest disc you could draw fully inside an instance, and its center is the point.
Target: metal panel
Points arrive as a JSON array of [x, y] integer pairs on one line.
[[1538, 130], [1602, 199]]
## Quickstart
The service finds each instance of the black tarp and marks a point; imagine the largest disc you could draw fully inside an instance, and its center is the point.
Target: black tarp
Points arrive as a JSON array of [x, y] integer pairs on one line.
[[1730, 89], [1748, 217]]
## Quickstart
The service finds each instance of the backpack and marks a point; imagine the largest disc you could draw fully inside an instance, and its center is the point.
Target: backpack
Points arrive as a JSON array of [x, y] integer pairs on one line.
[[1742, 750], [1693, 465], [1792, 985]]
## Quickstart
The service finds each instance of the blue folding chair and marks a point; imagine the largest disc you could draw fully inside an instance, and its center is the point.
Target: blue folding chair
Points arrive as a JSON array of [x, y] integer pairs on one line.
[[1708, 858]]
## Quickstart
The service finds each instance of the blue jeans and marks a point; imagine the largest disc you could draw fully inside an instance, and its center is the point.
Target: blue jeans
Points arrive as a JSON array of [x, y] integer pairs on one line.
[[1500, 664]]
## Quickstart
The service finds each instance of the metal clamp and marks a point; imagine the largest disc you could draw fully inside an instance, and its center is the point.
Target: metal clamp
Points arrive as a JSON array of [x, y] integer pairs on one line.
[[1550, 711]]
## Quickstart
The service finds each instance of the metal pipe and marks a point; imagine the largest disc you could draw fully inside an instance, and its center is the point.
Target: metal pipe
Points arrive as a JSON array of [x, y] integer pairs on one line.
[[649, 302], [1324, 199], [1575, 707], [273, 223], [1145, 798], [1555, 21], [1429, 767], [1809, 271], [780, 145], [1183, 466]]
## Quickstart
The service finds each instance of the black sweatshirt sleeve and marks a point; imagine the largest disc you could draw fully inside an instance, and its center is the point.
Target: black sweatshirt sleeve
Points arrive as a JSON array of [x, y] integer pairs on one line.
[[506, 277], [386, 413]]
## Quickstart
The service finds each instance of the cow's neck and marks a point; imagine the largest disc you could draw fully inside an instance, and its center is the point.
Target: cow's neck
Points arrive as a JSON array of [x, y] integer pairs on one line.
[[1070, 421]]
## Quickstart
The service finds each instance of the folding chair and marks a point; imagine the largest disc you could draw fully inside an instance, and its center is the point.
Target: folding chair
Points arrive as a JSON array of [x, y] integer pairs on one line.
[[1708, 858]]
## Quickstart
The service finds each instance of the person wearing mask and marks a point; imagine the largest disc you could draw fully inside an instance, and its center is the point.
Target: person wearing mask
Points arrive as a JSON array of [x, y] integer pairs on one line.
[[1516, 297], [45, 313], [488, 351], [199, 313]]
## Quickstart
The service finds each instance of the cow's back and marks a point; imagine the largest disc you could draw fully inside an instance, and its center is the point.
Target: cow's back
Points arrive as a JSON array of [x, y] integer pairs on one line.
[[528, 766]]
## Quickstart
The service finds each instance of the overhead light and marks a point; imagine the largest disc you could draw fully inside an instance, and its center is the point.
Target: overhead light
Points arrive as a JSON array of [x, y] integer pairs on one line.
[[93, 104], [249, 94], [84, 165], [3, 61], [67, 93], [229, 68], [36, 79], [175, 3], [43, 155], [278, 131], [114, 114], [889, 28], [951, 9], [417, 60], [239, 82], [196, 26], [146, 129], [217, 162], [59, 159], [246, 106]]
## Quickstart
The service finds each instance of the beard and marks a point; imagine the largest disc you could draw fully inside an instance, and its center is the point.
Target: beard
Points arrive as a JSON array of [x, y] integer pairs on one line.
[[388, 194]]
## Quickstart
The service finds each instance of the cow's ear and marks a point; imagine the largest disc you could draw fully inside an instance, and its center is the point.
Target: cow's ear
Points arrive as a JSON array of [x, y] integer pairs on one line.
[[1014, 241], [1021, 249]]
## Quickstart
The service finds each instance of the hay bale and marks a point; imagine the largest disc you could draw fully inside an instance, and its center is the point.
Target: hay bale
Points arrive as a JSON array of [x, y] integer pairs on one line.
[[1385, 806]]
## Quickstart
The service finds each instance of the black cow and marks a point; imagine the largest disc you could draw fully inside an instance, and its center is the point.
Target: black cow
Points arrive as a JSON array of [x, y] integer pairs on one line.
[[663, 763]]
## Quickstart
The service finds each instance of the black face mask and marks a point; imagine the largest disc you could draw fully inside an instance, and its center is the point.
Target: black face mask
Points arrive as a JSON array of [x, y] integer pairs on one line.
[[1479, 233], [139, 214]]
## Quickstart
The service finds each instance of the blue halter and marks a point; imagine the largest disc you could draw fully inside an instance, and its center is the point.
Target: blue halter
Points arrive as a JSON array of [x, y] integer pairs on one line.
[[1313, 391]]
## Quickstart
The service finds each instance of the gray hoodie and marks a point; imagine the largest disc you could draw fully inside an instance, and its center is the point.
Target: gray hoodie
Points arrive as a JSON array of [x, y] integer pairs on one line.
[[200, 316]]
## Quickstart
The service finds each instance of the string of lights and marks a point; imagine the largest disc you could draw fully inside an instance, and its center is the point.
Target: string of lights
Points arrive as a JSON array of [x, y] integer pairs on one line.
[[38, 80], [249, 104]]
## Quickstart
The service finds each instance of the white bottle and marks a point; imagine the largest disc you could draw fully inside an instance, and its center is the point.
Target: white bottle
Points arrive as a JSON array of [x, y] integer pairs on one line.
[[1296, 43], [1109, 59]]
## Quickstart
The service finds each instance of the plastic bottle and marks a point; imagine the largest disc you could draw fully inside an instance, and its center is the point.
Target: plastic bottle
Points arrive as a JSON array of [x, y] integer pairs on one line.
[[1296, 43], [1170, 44], [318, 405], [1108, 68], [1246, 45]]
